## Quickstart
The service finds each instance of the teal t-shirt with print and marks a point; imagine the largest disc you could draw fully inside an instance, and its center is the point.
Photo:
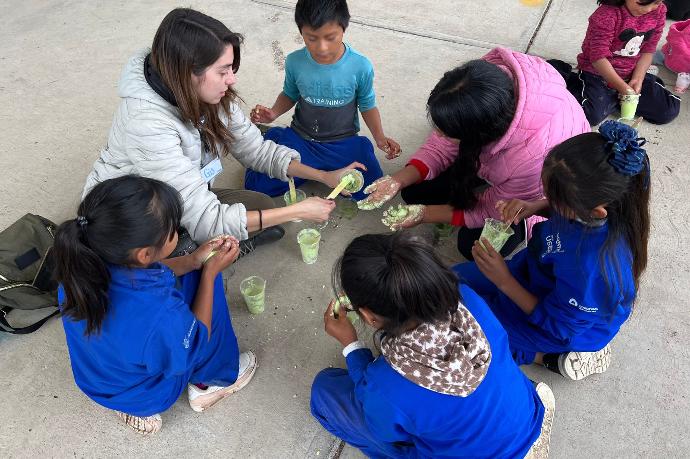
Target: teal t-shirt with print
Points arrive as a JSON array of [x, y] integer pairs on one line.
[[328, 96]]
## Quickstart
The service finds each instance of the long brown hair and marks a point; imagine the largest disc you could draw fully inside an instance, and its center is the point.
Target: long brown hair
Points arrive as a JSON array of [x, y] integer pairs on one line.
[[187, 42]]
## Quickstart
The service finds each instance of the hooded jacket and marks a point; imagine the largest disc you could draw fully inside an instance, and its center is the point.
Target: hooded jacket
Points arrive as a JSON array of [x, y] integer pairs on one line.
[[149, 138], [546, 114], [677, 47]]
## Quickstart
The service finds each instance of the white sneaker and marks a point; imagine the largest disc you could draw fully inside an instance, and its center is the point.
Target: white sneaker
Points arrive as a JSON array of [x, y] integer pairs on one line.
[[144, 425], [201, 399], [540, 448], [579, 365], [682, 82]]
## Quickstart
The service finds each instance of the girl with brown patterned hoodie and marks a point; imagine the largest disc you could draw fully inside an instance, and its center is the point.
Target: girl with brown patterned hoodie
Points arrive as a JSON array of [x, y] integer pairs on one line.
[[445, 384]]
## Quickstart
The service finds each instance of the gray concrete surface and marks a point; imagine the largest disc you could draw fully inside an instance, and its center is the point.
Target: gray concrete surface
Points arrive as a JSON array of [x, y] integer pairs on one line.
[[59, 64]]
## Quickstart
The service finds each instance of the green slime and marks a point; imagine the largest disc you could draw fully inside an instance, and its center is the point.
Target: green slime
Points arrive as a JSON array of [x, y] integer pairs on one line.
[[496, 232], [255, 296], [308, 240]]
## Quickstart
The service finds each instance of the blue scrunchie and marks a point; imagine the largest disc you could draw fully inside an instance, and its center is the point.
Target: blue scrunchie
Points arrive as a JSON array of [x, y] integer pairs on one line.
[[627, 155]]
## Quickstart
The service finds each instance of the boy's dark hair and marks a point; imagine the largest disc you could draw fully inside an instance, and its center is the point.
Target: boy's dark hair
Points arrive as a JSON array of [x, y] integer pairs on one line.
[[317, 13], [622, 2], [117, 216], [397, 277], [578, 177], [476, 104]]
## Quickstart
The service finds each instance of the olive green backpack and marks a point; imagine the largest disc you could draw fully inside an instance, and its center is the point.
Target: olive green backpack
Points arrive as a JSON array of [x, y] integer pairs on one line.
[[26, 270]]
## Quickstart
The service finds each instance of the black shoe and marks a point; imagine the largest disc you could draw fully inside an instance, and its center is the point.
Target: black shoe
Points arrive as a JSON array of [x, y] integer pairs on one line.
[[185, 244], [267, 236]]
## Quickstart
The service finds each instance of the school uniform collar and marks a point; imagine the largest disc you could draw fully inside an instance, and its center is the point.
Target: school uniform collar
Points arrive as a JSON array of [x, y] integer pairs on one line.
[[155, 275]]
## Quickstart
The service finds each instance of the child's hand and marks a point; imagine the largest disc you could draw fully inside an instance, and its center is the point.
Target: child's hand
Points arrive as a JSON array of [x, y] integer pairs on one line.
[[636, 84], [314, 209], [491, 263], [225, 255], [332, 178], [380, 192], [262, 114], [204, 251], [404, 216], [340, 328], [389, 146], [514, 211]]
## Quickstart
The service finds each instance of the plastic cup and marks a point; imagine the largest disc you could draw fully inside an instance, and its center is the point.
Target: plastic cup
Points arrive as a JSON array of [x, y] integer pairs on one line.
[[254, 292], [356, 183], [299, 195], [496, 232], [308, 240], [629, 106]]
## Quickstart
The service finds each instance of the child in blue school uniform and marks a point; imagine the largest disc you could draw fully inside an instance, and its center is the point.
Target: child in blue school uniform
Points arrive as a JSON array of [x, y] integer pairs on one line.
[[445, 384], [564, 298], [329, 81], [140, 328]]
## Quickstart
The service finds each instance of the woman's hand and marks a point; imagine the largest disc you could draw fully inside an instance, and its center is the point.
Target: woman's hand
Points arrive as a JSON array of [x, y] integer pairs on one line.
[[389, 146], [314, 209], [413, 216], [332, 178], [380, 192], [261, 114], [340, 328], [491, 263], [226, 253]]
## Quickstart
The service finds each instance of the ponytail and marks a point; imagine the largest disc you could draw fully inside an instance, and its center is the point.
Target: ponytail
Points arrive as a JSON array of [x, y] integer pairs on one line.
[[116, 217], [84, 276]]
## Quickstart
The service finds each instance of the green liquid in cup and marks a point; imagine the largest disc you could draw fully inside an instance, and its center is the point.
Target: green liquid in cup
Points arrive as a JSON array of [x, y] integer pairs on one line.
[[356, 182], [629, 106], [254, 292], [299, 196], [308, 240], [347, 208], [496, 232]]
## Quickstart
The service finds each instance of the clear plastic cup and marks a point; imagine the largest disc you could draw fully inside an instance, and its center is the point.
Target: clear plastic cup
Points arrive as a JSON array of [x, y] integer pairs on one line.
[[308, 240], [299, 195], [254, 292], [356, 182], [496, 232], [629, 106]]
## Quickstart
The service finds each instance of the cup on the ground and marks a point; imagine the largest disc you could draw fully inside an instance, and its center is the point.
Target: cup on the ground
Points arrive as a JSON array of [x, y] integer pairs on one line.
[[254, 292], [299, 196], [308, 240], [496, 232]]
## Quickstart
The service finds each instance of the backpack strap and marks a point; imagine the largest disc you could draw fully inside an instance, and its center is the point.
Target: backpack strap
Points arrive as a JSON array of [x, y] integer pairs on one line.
[[7, 328]]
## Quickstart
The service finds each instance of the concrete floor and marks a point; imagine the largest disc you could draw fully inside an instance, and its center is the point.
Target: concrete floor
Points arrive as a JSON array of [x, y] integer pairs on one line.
[[59, 66]]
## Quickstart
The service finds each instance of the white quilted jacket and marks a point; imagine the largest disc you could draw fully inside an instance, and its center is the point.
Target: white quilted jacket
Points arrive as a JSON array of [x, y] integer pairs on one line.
[[148, 138]]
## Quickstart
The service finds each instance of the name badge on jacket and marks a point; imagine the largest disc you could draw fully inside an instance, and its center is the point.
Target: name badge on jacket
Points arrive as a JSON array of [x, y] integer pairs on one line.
[[209, 171]]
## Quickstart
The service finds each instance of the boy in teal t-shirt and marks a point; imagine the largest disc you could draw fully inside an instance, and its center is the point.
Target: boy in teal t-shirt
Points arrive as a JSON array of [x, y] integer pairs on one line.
[[329, 81]]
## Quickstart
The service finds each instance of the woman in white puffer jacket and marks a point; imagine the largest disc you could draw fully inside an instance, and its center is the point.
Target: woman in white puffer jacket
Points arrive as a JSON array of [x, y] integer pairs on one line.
[[178, 115]]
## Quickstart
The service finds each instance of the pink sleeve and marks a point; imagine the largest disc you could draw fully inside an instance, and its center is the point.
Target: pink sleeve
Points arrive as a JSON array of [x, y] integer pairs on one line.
[[651, 44], [525, 187], [437, 153], [601, 33]]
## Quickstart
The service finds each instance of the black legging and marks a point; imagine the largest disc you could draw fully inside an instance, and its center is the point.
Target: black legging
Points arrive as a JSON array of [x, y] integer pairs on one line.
[[437, 192]]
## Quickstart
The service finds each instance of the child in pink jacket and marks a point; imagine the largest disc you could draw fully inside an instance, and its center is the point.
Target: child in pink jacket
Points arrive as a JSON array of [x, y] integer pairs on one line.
[[495, 120], [676, 52]]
